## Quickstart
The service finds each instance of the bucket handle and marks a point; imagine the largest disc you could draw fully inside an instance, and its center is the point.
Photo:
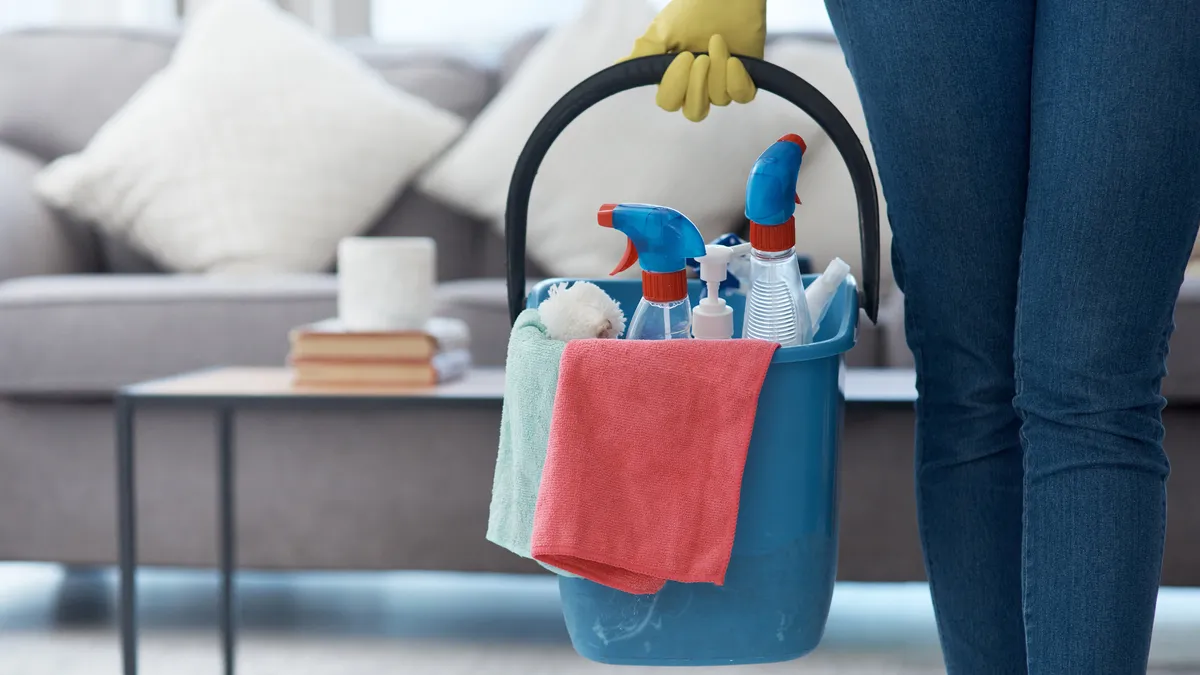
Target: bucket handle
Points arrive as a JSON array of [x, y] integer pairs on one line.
[[647, 71]]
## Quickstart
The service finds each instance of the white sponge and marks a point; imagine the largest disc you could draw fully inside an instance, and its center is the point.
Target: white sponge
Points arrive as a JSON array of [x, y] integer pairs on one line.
[[582, 310]]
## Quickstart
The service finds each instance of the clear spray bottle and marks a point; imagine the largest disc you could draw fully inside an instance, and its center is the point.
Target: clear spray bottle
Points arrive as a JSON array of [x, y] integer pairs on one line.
[[664, 239], [776, 309]]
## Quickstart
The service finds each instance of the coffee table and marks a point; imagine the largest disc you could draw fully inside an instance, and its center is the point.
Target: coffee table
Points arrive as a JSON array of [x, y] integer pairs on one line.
[[224, 391]]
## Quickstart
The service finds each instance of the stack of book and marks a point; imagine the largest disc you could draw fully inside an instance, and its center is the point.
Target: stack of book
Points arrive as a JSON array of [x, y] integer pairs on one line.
[[326, 354]]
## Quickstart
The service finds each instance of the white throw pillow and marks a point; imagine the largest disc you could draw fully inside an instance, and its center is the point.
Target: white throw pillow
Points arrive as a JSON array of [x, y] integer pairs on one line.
[[622, 150], [625, 150], [255, 150]]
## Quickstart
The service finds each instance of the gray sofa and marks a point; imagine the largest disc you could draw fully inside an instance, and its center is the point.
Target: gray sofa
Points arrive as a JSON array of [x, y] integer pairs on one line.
[[81, 315]]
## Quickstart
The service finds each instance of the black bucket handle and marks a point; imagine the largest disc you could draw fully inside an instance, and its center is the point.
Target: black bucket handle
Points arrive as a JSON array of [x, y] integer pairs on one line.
[[647, 71]]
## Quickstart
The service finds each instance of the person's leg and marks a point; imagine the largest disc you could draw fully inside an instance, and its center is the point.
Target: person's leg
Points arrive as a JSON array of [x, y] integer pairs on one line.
[[945, 88], [1114, 201]]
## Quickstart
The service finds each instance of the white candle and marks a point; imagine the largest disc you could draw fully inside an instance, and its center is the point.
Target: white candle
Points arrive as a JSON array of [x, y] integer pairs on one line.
[[386, 283]]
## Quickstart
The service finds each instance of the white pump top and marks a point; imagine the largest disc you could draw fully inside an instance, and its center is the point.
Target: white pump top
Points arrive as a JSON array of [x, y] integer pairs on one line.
[[712, 319]]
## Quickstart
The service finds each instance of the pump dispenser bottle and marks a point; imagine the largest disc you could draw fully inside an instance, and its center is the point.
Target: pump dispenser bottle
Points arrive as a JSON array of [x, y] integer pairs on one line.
[[713, 317]]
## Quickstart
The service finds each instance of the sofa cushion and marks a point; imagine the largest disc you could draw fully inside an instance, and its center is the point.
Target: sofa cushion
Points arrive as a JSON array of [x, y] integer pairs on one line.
[[483, 304], [220, 163], [59, 85], [120, 256], [466, 247], [446, 81], [91, 334], [87, 334], [32, 240], [517, 52]]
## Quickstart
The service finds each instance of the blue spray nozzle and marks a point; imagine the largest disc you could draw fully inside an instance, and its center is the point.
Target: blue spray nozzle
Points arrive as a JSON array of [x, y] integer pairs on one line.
[[771, 188], [661, 237]]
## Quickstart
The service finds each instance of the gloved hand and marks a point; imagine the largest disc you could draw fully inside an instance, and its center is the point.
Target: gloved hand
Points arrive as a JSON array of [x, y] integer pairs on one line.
[[718, 27]]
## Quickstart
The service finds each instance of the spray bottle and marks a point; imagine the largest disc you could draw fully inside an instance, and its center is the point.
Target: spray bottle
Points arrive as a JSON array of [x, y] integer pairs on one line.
[[776, 308], [664, 239]]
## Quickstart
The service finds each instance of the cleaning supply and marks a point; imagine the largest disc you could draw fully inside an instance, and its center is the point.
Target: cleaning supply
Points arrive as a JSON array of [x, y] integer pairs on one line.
[[778, 584], [776, 308], [530, 380], [713, 317], [643, 473], [736, 281], [819, 294], [664, 239], [780, 577], [581, 310]]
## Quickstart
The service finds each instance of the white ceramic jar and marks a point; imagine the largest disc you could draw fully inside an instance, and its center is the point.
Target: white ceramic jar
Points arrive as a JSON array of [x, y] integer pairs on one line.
[[386, 283]]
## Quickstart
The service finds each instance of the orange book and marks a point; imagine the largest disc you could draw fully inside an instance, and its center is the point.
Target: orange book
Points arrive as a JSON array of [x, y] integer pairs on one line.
[[330, 340], [381, 373]]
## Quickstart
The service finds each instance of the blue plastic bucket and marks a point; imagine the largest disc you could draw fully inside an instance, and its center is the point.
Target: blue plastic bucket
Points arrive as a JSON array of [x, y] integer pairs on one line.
[[775, 599], [776, 595]]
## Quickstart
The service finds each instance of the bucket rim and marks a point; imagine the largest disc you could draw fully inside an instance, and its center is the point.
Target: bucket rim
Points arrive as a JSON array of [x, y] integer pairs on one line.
[[841, 341]]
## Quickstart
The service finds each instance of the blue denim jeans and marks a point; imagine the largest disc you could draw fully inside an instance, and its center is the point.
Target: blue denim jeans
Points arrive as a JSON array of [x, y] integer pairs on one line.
[[1041, 165]]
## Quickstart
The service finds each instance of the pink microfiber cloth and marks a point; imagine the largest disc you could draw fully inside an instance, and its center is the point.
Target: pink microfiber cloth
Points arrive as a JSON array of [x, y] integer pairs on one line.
[[643, 471]]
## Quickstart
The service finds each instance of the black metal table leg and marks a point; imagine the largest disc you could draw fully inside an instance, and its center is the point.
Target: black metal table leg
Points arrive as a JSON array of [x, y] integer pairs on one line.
[[228, 533], [127, 526]]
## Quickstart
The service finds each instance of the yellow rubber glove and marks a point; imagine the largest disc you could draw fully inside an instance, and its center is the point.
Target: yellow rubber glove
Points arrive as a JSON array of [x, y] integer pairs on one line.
[[718, 27]]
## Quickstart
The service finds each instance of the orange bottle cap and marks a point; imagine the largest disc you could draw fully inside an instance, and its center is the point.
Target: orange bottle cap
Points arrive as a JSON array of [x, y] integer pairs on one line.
[[664, 286], [795, 138], [773, 238]]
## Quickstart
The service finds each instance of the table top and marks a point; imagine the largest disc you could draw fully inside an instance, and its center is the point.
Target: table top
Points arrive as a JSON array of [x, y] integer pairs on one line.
[[880, 385], [250, 384], [275, 385]]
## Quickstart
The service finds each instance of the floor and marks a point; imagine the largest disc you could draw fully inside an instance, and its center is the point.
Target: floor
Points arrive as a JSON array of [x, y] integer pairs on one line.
[[432, 624]]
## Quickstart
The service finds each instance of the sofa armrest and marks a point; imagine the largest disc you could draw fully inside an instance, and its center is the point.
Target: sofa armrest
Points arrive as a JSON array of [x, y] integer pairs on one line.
[[32, 240]]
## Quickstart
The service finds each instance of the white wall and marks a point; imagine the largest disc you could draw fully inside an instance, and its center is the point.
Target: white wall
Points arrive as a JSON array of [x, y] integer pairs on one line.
[[482, 23], [341, 18], [488, 22], [22, 13], [473, 23]]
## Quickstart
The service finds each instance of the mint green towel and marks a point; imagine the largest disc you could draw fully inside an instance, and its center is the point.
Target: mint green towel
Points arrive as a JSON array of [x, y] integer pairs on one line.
[[530, 378]]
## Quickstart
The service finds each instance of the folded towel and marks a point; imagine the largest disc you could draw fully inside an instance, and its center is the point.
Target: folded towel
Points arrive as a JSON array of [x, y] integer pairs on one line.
[[643, 473], [530, 379]]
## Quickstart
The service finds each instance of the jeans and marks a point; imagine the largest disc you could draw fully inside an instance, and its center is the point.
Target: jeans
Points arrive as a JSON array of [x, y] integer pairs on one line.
[[1040, 160]]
